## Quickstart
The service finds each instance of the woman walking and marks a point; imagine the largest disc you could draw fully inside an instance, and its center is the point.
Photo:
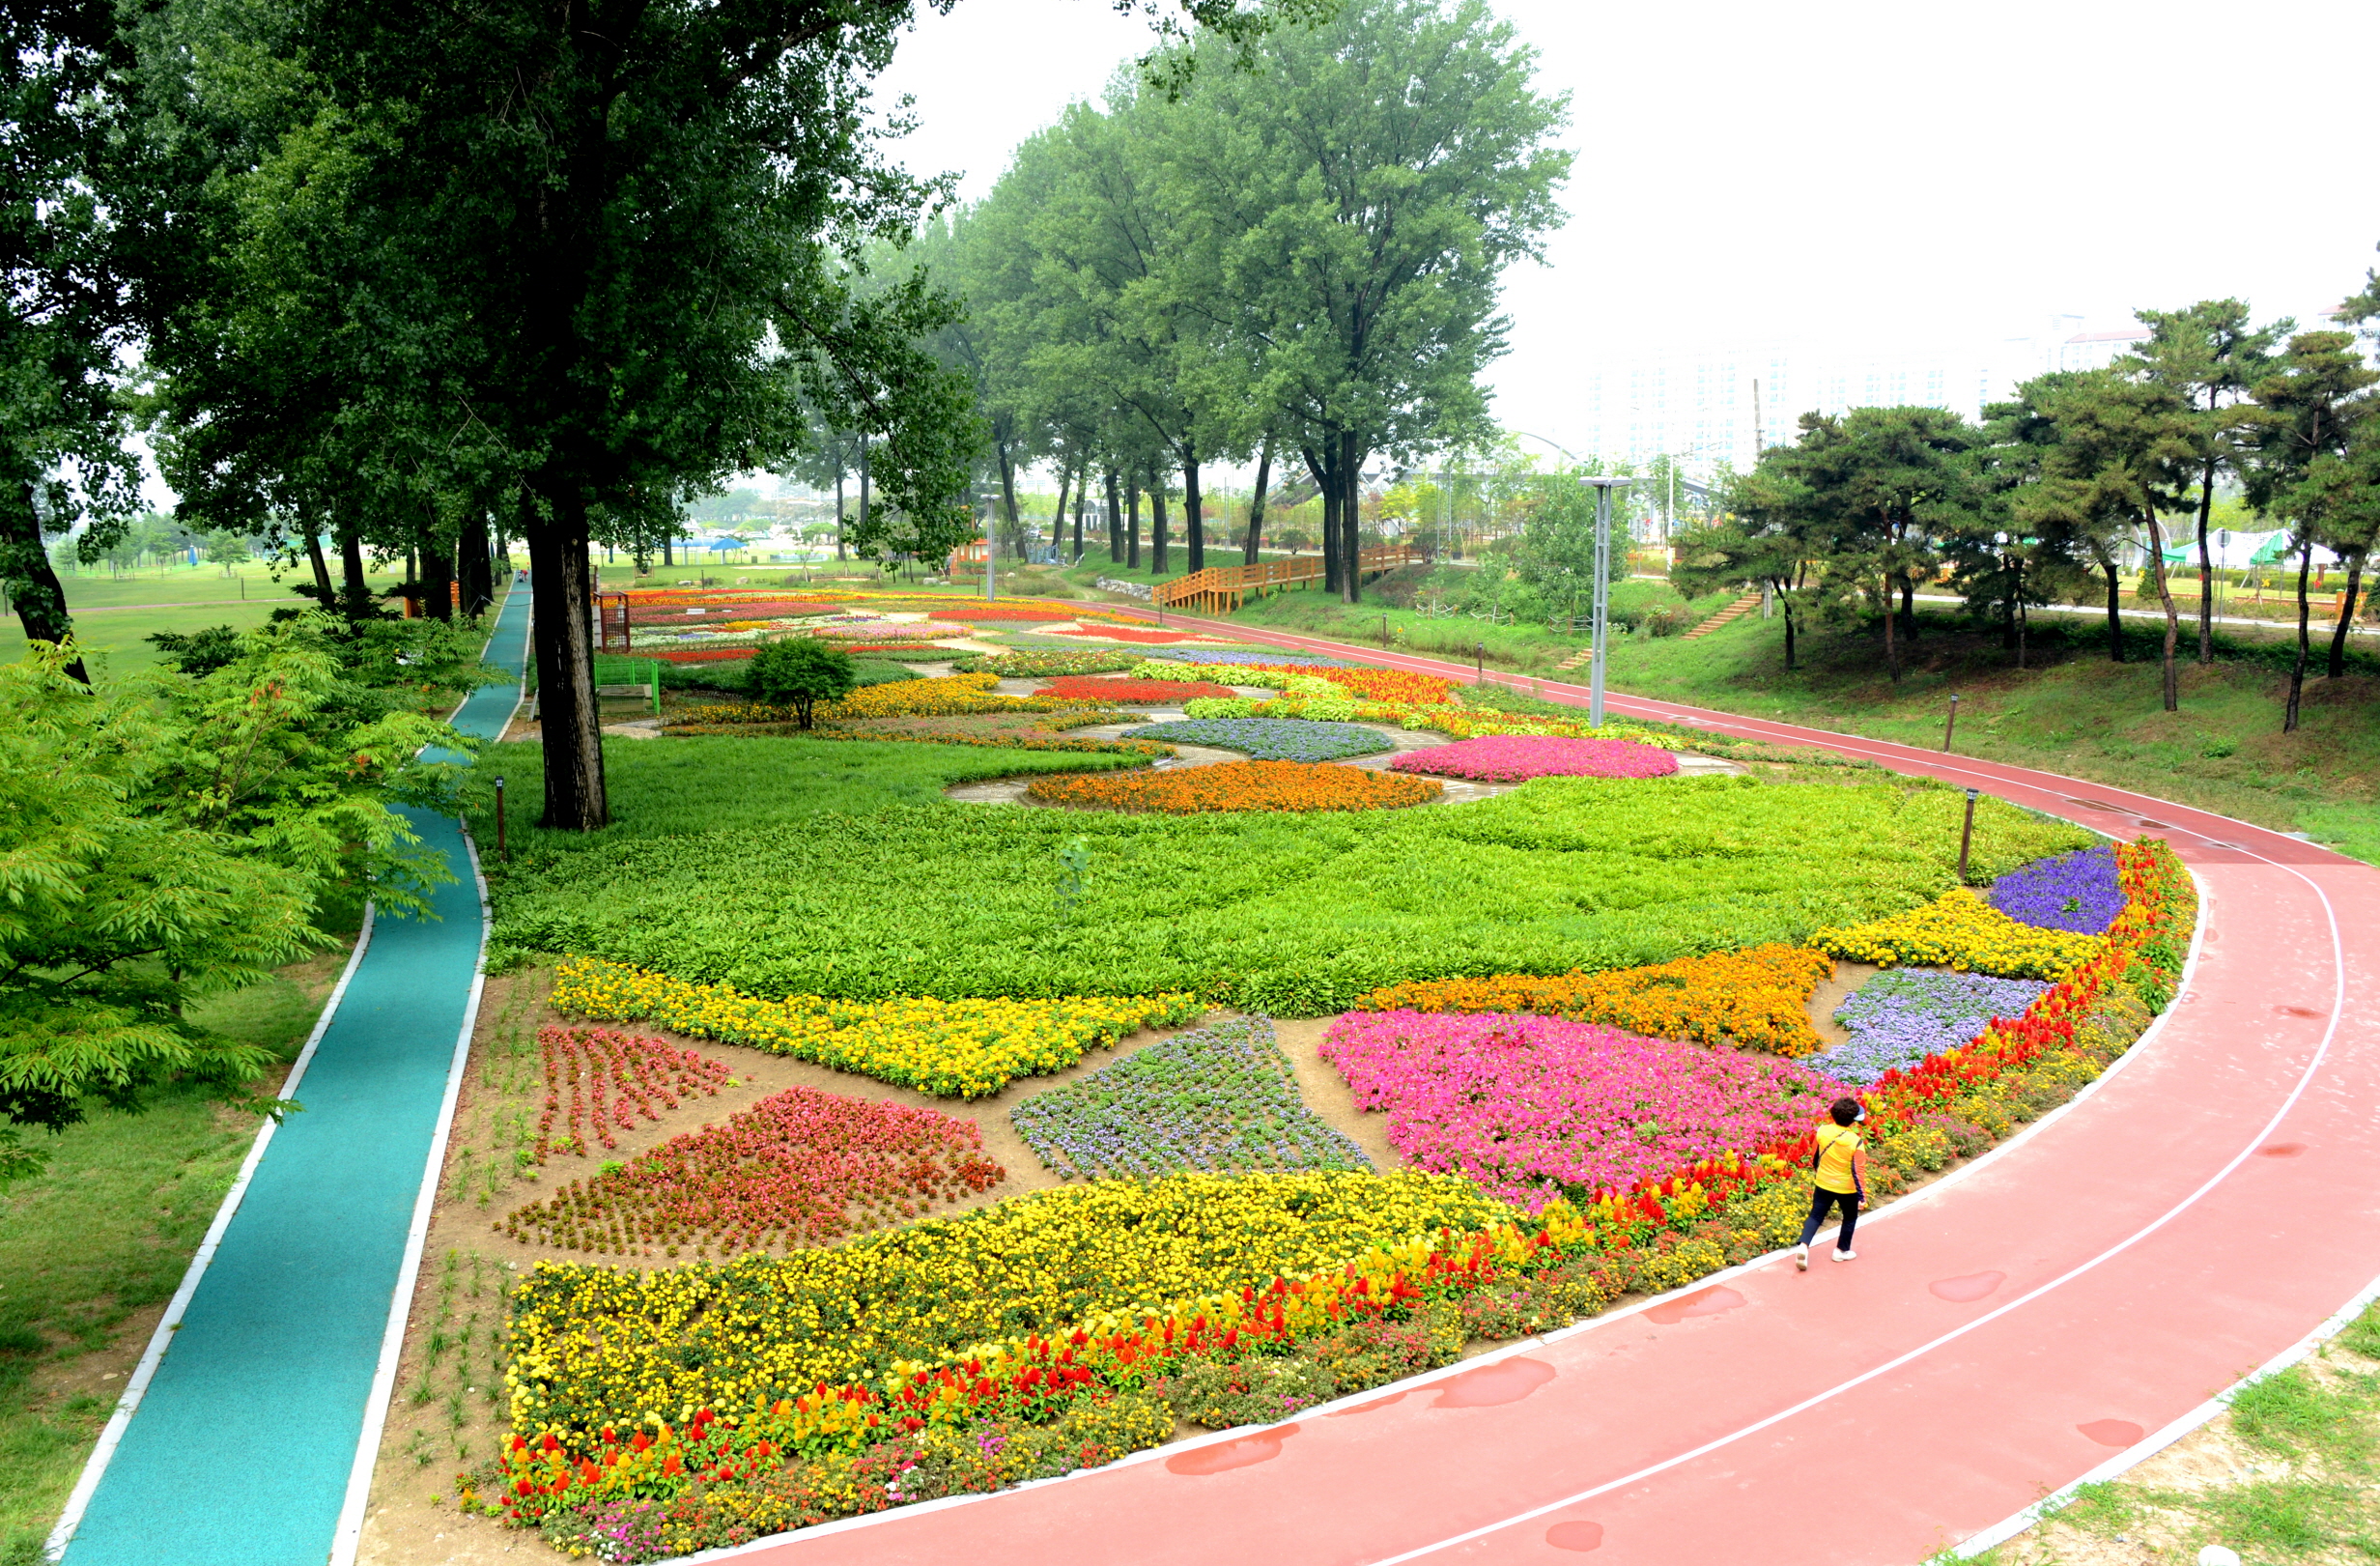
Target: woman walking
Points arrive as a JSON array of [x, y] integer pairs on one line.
[[1842, 1165]]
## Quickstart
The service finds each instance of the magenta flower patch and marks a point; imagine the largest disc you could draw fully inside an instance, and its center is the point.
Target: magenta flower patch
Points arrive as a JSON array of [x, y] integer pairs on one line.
[[1518, 757], [1533, 1107]]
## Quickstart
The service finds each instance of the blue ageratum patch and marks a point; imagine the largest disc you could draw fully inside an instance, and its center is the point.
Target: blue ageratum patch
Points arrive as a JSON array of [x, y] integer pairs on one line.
[[1270, 739], [2074, 892], [1899, 1018], [1221, 1100]]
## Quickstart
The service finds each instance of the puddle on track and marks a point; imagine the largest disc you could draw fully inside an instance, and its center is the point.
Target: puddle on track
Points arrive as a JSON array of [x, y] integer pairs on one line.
[[1489, 1386], [1968, 1289], [1701, 1302], [1224, 1456], [1578, 1536], [2113, 1432]]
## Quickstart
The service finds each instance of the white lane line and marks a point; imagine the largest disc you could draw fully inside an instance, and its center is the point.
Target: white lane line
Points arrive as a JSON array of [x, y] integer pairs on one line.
[[2313, 1065]]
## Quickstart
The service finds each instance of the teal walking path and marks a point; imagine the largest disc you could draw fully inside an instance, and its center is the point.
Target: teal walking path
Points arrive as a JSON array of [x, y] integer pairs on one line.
[[242, 1446]]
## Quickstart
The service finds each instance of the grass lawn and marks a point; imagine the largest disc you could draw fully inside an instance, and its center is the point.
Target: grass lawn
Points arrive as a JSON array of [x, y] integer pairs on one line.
[[93, 1248], [114, 616], [2073, 712], [672, 787]]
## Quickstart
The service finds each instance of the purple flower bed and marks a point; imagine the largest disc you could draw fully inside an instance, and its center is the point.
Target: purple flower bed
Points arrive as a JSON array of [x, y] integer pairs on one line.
[[2076, 892], [1249, 656], [1517, 757], [1532, 1107], [1899, 1018]]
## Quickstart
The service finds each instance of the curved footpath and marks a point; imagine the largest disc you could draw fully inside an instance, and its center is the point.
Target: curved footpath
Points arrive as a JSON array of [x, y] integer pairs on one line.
[[249, 1444], [2004, 1333]]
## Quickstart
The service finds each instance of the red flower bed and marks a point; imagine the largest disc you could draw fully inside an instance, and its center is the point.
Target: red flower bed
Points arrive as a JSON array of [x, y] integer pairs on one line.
[[1127, 633], [612, 1078], [694, 655], [800, 1168], [1097, 688]]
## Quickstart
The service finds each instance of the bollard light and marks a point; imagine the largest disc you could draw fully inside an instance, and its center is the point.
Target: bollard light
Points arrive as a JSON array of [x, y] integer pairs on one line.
[[1967, 835], [1953, 721], [499, 817]]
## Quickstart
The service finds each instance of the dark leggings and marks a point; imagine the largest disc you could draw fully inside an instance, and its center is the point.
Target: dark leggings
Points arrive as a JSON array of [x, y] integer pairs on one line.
[[1820, 1201]]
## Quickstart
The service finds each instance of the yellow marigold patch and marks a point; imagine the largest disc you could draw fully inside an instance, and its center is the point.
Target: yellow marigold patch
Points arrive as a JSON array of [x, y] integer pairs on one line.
[[1959, 930], [1754, 998], [957, 1049]]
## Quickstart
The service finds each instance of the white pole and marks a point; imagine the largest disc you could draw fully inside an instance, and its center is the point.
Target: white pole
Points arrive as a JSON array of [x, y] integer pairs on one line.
[[1602, 600]]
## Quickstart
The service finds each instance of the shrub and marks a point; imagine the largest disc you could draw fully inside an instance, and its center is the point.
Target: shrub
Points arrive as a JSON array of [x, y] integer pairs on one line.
[[799, 674]]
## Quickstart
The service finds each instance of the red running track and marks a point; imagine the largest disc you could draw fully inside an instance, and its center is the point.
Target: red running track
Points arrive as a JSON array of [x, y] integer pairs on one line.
[[2002, 1333]]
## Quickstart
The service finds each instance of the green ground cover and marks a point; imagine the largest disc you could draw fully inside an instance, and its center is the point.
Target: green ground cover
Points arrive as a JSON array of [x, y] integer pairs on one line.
[[115, 615], [101, 1238], [736, 787], [1291, 915]]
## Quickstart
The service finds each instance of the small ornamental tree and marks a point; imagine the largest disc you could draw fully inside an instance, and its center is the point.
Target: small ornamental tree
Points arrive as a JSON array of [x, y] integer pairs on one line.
[[799, 674]]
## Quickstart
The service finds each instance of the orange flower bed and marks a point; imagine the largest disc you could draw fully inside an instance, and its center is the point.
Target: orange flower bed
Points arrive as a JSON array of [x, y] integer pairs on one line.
[[1239, 786], [1388, 684], [1001, 611], [1755, 999]]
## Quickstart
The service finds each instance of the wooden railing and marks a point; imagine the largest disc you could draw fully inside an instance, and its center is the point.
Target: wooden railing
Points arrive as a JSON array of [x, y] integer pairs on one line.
[[1222, 588]]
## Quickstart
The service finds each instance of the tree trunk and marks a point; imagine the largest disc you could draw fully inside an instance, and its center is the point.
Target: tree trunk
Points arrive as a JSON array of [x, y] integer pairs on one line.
[[1193, 508], [2173, 679], [1057, 518], [574, 746], [350, 562], [2305, 643], [1908, 605], [1082, 491], [987, 531], [1325, 485], [1254, 542], [2347, 616], [1351, 517], [668, 556], [321, 570], [1132, 532], [437, 594], [1114, 523], [2115, 613], [473, 566], [32, 580], [1160, 547], [2206, 560], [839, 516], [1892, 648], [1787, 605], [1007, 490]]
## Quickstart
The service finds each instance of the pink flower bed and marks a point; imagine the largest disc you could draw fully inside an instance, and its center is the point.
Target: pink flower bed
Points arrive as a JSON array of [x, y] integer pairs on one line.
[[1531, 1107], [1516, 757]]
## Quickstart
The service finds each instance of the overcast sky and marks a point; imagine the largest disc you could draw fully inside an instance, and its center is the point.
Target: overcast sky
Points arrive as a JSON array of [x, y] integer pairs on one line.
[[1892, 173]]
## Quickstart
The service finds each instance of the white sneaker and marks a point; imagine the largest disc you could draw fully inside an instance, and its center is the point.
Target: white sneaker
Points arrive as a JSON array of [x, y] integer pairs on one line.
[[1802, 1258], [1845, 1256]]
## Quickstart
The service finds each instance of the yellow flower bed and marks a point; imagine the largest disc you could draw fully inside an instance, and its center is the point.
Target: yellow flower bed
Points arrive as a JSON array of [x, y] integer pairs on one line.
[[958, 1049], [596, 1346], [948, 696], [1961, 931], [1754, 998]]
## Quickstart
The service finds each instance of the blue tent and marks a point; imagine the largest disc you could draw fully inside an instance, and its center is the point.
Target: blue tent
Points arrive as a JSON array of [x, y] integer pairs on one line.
[[724, 543]]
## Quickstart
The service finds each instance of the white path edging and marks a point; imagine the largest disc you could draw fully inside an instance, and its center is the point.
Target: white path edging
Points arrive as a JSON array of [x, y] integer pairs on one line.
[[78, 1500]]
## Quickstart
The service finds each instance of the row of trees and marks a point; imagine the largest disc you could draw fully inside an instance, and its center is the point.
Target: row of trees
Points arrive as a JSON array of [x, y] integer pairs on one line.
[[416, 278], [1293, 263], [2058, 485]]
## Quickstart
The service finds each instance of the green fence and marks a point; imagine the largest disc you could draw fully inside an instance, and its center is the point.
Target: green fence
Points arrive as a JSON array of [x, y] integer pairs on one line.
[[618, 676]]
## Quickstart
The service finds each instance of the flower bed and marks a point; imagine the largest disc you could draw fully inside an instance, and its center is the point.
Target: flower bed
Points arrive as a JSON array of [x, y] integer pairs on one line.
[[1222, 1098], [1140, 691], [695, 655], [1004, 612], [956, 1049], [1246, 658], [1026, 663], [1754, 998], [2073, 891], [1238, 786], [1345, 682], [1533, 1107], [800, 1167], [1515, 758], [1959, 930], [1270, 739], [1155, 1298], [950, 695], [886, 631], [1127, 633], [611, 1079], [1900, 1017]]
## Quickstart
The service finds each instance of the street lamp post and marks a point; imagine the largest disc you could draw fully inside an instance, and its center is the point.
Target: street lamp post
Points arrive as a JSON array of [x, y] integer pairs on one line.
[[1602, 487]]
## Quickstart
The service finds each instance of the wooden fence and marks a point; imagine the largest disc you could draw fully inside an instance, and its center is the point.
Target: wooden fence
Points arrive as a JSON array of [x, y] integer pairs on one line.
[[1220, 589]]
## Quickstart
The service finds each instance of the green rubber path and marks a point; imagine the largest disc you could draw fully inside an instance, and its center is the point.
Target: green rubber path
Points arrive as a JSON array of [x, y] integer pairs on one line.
[[241, 1450]]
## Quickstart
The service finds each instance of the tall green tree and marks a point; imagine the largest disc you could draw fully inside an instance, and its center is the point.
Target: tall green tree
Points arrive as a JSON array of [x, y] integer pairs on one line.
[[2210, 354], [1761, 536], [2308, 410]]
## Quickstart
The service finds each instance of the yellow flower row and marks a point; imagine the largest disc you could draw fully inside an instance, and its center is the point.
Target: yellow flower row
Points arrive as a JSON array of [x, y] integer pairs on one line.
[[1961, 931], [948, 696], [595, 1346], [958, 1049]]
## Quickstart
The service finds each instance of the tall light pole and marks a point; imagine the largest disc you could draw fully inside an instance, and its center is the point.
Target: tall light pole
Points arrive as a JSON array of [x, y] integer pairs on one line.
[[1602, 487]]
